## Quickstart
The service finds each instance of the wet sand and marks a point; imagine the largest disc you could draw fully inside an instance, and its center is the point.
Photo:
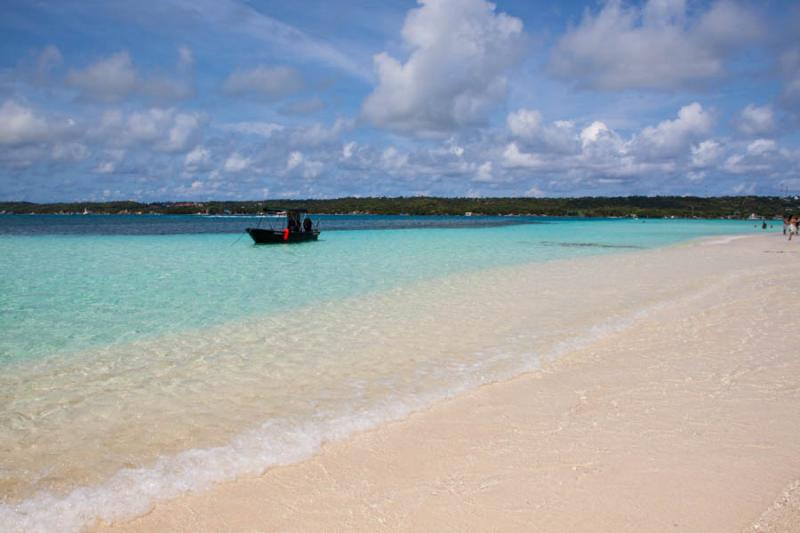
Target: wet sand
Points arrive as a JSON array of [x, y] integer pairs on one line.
[[686, 420]]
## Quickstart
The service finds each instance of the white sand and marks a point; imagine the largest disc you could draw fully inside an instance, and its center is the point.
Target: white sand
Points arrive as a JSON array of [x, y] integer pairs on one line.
[[688, 420]]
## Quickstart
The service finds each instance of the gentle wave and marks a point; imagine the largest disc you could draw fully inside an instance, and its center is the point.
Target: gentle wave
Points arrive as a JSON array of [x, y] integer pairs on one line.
[[133, 492]]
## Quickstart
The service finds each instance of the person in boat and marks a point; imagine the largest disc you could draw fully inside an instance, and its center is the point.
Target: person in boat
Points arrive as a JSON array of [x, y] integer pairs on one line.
[[307, 225], [292, 224]]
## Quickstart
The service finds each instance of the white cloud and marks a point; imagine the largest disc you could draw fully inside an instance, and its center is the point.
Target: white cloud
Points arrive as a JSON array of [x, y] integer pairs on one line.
[[19, 124], [670, 137], [198, 158], [317, 133], [348, 149], [165, 130], [744, 188], [236, 163], [295, 160], [105, 167], [109, 80], [656, 46], [484, 172], [263, 129], [312, 169], [755, 120], [268, 83], [111, 159], [763, 158], [297, 163], [454, 148], [761, 146], [392, 159], [706, 153], [182, 131], [69, 151], [115, 78], [593, 133], [534, 191], [514, 158], [597, 139], [461, 51], [527, 125]]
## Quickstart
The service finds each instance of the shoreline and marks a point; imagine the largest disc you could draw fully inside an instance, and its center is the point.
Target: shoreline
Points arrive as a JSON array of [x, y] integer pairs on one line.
[[256, 502]]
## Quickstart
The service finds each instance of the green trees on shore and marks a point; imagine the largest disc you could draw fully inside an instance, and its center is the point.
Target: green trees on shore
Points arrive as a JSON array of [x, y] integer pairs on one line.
[[642, 206]]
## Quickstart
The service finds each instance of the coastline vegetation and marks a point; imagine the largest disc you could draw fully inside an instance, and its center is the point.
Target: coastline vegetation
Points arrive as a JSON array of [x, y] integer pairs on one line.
[[624, 206]]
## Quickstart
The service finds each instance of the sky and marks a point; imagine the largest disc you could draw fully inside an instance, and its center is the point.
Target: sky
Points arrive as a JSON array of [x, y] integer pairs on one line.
[[247, 99]]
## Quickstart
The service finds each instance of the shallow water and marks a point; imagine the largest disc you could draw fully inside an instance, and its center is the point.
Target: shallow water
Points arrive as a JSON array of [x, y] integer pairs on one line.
[[154, 364]]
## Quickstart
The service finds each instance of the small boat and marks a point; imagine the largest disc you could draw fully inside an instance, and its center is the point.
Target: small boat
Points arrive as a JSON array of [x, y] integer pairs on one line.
[[296, 226]]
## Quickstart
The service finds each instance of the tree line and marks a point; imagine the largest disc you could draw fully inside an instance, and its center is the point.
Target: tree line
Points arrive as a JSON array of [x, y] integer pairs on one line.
[[640, 206]]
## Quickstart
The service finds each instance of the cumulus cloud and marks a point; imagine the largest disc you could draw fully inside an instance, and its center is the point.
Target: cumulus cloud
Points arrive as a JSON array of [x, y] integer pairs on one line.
[[671, 137], [598, 139], [527, 125], [109, 80], [115, 79], [298, 164], [317, 134], [656, 46], [461, 51], [19, 124], [761, 159], [109, 161], [484, 172], [754, 120], [69, 151], [348, 149], [261, 129], [706, 153], [513, 157], [264, 82], [199, 158], [761, 146], [392, 159], [166, 130], [236, 162]]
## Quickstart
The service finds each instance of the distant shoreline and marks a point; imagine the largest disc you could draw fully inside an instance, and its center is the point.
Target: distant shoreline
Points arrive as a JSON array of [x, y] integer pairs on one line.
[[261, 215], [729, 207]]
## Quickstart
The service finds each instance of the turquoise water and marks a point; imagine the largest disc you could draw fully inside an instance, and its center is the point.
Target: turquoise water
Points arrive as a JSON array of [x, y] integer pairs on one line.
[[66, 293]]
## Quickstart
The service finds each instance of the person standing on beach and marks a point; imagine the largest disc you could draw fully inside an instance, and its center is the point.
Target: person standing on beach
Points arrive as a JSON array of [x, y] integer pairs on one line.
[[792, 226], [785, 223]]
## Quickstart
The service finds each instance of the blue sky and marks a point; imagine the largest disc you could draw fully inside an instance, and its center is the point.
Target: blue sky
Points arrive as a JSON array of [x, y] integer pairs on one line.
[[235, 99]]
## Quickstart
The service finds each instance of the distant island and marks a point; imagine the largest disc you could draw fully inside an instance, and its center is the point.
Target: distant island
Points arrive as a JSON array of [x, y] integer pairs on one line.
[[624, 206]]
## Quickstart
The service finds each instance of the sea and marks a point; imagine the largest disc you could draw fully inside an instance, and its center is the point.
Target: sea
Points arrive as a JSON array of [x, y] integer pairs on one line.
[[143, 357]]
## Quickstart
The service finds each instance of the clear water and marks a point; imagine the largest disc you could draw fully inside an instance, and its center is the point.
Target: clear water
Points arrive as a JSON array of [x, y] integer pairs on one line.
[[72, 282], [146, 356]]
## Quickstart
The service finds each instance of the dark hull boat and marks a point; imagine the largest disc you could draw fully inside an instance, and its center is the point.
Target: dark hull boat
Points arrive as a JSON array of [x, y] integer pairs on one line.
[[295, 226], [270, 236]]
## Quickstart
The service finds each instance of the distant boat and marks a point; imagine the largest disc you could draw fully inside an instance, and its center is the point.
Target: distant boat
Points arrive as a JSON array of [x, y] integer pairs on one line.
[[296, 226]]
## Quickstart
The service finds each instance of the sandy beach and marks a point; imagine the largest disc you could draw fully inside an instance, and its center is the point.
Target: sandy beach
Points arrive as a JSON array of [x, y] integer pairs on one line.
[[685, 419]]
